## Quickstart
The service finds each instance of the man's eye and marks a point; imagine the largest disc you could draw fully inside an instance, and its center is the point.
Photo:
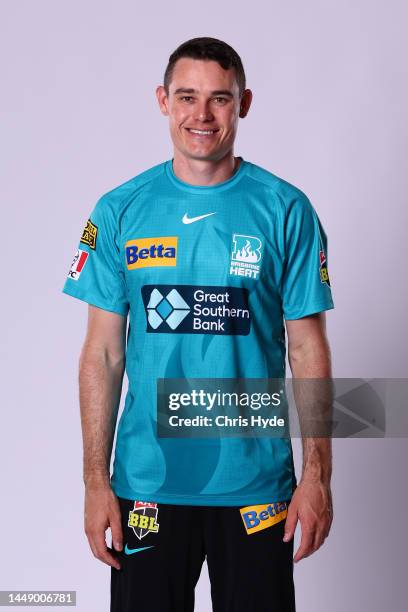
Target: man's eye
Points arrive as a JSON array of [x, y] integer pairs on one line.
[[222, 100], [186, 98]]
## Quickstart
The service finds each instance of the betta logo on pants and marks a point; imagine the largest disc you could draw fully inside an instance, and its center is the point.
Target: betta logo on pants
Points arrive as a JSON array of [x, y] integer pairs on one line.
[[143, 519], [256, 518]]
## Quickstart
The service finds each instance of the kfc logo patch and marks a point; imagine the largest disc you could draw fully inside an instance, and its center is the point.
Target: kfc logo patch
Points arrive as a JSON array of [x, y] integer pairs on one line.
[[78, 264]]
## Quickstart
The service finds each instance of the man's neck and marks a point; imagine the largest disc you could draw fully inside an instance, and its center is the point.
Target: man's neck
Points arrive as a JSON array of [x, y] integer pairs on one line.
[[204, 172]]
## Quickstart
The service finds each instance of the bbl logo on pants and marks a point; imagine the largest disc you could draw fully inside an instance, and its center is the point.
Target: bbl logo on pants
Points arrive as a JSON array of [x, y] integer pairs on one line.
[[143, 519]]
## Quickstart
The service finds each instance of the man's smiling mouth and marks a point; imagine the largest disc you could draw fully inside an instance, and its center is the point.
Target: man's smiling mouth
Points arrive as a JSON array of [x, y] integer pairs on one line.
[[202, 132]]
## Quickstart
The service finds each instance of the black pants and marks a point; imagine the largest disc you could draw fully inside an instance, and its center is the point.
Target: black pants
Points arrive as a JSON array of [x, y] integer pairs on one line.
[[250, 567]]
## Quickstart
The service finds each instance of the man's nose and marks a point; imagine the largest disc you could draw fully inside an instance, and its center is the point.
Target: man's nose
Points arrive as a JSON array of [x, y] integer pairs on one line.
[[203, 112]]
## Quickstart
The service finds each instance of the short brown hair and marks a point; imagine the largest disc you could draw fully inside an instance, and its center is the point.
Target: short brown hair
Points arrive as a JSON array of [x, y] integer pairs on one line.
[[207, 49]]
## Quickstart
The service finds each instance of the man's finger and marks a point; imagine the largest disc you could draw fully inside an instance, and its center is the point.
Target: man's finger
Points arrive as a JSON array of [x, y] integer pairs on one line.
[[116, 530], [100, 551], [290, 524], [306, 544], [319, 538]]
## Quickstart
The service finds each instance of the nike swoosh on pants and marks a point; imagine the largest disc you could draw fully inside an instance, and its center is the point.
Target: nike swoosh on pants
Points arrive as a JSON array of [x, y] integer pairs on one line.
[[131, 551]]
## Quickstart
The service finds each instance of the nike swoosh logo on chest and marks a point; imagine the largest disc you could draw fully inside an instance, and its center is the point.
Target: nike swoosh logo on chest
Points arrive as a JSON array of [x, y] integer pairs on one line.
[[187, 219]]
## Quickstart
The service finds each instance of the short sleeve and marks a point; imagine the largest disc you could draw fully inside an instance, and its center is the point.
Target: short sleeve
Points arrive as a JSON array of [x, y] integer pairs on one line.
[[306, 286], [96, 275]]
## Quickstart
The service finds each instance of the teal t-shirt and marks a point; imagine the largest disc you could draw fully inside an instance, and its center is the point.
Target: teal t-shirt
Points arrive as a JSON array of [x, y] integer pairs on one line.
[[156, 249]]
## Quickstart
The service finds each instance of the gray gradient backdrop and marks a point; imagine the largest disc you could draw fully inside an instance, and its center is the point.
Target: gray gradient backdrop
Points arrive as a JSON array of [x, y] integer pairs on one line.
[[80, 117]]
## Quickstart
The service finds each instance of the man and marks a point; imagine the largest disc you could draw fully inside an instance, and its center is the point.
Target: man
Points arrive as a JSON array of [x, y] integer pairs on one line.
[[204, 228]]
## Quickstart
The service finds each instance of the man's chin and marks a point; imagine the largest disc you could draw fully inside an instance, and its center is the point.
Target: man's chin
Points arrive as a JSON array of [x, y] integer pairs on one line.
[[202, 155]]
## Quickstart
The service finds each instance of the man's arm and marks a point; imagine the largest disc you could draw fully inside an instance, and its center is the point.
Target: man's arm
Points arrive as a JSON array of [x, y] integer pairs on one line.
[[309, 357], [101, 369]]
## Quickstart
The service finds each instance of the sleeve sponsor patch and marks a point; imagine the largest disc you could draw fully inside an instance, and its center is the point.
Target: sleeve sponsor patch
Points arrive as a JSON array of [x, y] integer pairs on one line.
[[89, 234], [324, 274], [78, 263]]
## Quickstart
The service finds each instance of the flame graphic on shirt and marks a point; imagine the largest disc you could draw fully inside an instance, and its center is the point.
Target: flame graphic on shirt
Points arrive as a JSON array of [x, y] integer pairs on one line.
[[246, 253]]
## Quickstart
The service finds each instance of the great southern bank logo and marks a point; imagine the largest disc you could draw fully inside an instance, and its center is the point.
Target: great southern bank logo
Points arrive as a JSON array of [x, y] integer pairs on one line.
[[188, 309], [171, 309], [246, 255]]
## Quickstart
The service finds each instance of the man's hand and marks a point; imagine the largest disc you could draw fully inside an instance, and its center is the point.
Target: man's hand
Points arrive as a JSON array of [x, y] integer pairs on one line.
[[311, 504], [102, 511]]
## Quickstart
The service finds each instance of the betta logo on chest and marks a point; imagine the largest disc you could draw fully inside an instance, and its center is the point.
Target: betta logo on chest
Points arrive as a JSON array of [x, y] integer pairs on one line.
[[151, 252]]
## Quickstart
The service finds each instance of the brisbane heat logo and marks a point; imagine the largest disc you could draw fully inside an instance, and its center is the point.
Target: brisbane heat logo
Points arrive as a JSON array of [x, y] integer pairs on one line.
[[246, 256], [143, 519]]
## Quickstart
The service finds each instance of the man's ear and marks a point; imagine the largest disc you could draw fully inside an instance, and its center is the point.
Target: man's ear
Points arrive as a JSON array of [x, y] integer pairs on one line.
[[162, 99], [246, 100]]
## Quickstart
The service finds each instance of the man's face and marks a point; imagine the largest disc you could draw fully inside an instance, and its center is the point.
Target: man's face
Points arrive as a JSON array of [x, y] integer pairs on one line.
[[203, 107]]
